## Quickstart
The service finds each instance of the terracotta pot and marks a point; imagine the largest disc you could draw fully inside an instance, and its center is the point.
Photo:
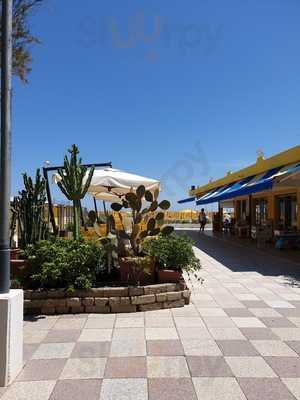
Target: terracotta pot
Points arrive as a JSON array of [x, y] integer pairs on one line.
[[129, 273], [14, 254], [169, 276], [17, 268]]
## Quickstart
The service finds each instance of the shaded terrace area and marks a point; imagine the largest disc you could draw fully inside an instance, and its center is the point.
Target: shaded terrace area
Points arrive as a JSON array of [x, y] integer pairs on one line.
[[240, 255]]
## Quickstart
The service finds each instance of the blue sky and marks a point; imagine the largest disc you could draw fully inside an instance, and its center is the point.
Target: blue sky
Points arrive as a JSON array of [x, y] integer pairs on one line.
[[180, 91]]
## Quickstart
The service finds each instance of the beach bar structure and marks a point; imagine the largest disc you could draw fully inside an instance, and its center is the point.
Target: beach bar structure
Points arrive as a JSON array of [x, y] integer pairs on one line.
[[264, 197]]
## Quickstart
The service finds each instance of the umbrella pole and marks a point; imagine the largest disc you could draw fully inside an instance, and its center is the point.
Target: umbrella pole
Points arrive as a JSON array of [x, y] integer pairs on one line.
[[96, 210]]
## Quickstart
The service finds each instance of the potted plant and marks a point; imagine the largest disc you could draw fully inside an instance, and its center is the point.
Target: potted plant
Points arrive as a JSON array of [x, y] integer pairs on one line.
[[136, 267], [173, 254]]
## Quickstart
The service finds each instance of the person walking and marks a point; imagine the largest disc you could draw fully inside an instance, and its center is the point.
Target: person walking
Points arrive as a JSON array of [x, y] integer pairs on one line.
[[202, 220]]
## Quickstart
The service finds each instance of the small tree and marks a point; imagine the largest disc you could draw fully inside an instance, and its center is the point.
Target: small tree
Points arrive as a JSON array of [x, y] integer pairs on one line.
[[22, 37], [74, 184]]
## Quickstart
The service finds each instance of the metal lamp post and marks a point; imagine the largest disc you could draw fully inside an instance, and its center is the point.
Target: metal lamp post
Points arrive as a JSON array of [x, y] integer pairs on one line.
[[5, 156]]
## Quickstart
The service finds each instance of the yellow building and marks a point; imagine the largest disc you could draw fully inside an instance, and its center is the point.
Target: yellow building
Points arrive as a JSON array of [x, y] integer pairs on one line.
[[266, 193]]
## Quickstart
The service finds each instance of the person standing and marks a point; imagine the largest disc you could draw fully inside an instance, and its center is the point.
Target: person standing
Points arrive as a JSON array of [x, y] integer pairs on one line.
[[202, 220]]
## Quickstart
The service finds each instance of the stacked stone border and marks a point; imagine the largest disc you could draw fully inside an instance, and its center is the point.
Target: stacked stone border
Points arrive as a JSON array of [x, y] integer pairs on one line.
[[107, 299]]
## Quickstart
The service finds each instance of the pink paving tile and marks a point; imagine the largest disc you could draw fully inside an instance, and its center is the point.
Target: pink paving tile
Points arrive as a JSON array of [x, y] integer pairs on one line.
[[29, 350], [265, 389], [171, 389], [277, 322], [126, 367], [285, 367], [238, 312], [77, 389], [259, 334], [164, 348], [42, 370], [242, 348], [208, 366]]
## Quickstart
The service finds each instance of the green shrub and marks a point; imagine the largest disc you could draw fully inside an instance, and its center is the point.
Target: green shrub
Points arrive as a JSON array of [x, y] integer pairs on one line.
[[63, 263], [173, 252]]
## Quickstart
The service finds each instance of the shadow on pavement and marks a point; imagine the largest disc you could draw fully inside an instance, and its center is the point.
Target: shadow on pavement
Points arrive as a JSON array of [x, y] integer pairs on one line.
[[240, 258]]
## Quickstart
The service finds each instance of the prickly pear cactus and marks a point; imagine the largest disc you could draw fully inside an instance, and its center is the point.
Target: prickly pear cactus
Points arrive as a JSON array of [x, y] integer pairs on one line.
[[152, 216], [73, 184]]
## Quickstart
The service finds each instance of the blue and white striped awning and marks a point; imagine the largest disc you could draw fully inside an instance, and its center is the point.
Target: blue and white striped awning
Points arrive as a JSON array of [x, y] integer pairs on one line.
[[249, 185], [188, 200]]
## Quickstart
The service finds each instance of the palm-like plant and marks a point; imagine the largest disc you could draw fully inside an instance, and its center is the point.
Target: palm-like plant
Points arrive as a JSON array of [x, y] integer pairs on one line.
[[74, 185]]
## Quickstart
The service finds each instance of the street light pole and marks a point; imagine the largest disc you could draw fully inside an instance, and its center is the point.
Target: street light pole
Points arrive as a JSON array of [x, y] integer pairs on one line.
[[5, 155]]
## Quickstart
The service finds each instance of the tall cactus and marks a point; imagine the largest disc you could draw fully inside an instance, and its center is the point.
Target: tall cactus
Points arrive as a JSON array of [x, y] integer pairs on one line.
[[74, 185], [28, 210]]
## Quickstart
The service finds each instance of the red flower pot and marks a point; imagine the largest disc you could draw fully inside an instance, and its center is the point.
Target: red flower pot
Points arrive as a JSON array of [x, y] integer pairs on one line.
[[169, 276], [17, 268], [14, 254]]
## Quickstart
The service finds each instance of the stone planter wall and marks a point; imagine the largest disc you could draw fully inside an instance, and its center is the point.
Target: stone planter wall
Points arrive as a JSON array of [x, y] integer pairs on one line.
[[107, 299]]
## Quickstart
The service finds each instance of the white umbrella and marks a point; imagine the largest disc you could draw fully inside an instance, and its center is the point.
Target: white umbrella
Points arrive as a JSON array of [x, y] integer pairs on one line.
[[111, 184]]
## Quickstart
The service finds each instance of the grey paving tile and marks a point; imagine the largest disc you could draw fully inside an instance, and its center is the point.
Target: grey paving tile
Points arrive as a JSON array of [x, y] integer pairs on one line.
[[293, 384], [295, 345], [53, 350], [248, 322], [161, 334], [42, 370], [197, 347], [255, 304], [63, 336], [285, 367], [77, 389], [194, 333], [84, 368], [218, 389], [91, 350], [219, 322], [189, 322], [237, 348], [265, 388], [289, 312], [212, 312], [167, 367], [126, 367], [95, 335], [34, 336], [208, 366], [273, 348], [159, 322], [287, 333], [124, 389], [277, 322], [165, 348], [134, 322], [99, 323], [265, 312], [128, 348], [250, 367], [125, 333], [70, 323], [29, 391], [171, 389], [227, 333]]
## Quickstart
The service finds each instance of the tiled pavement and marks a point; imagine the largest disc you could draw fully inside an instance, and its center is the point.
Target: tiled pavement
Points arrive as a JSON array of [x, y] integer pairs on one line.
[[238, 340]]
